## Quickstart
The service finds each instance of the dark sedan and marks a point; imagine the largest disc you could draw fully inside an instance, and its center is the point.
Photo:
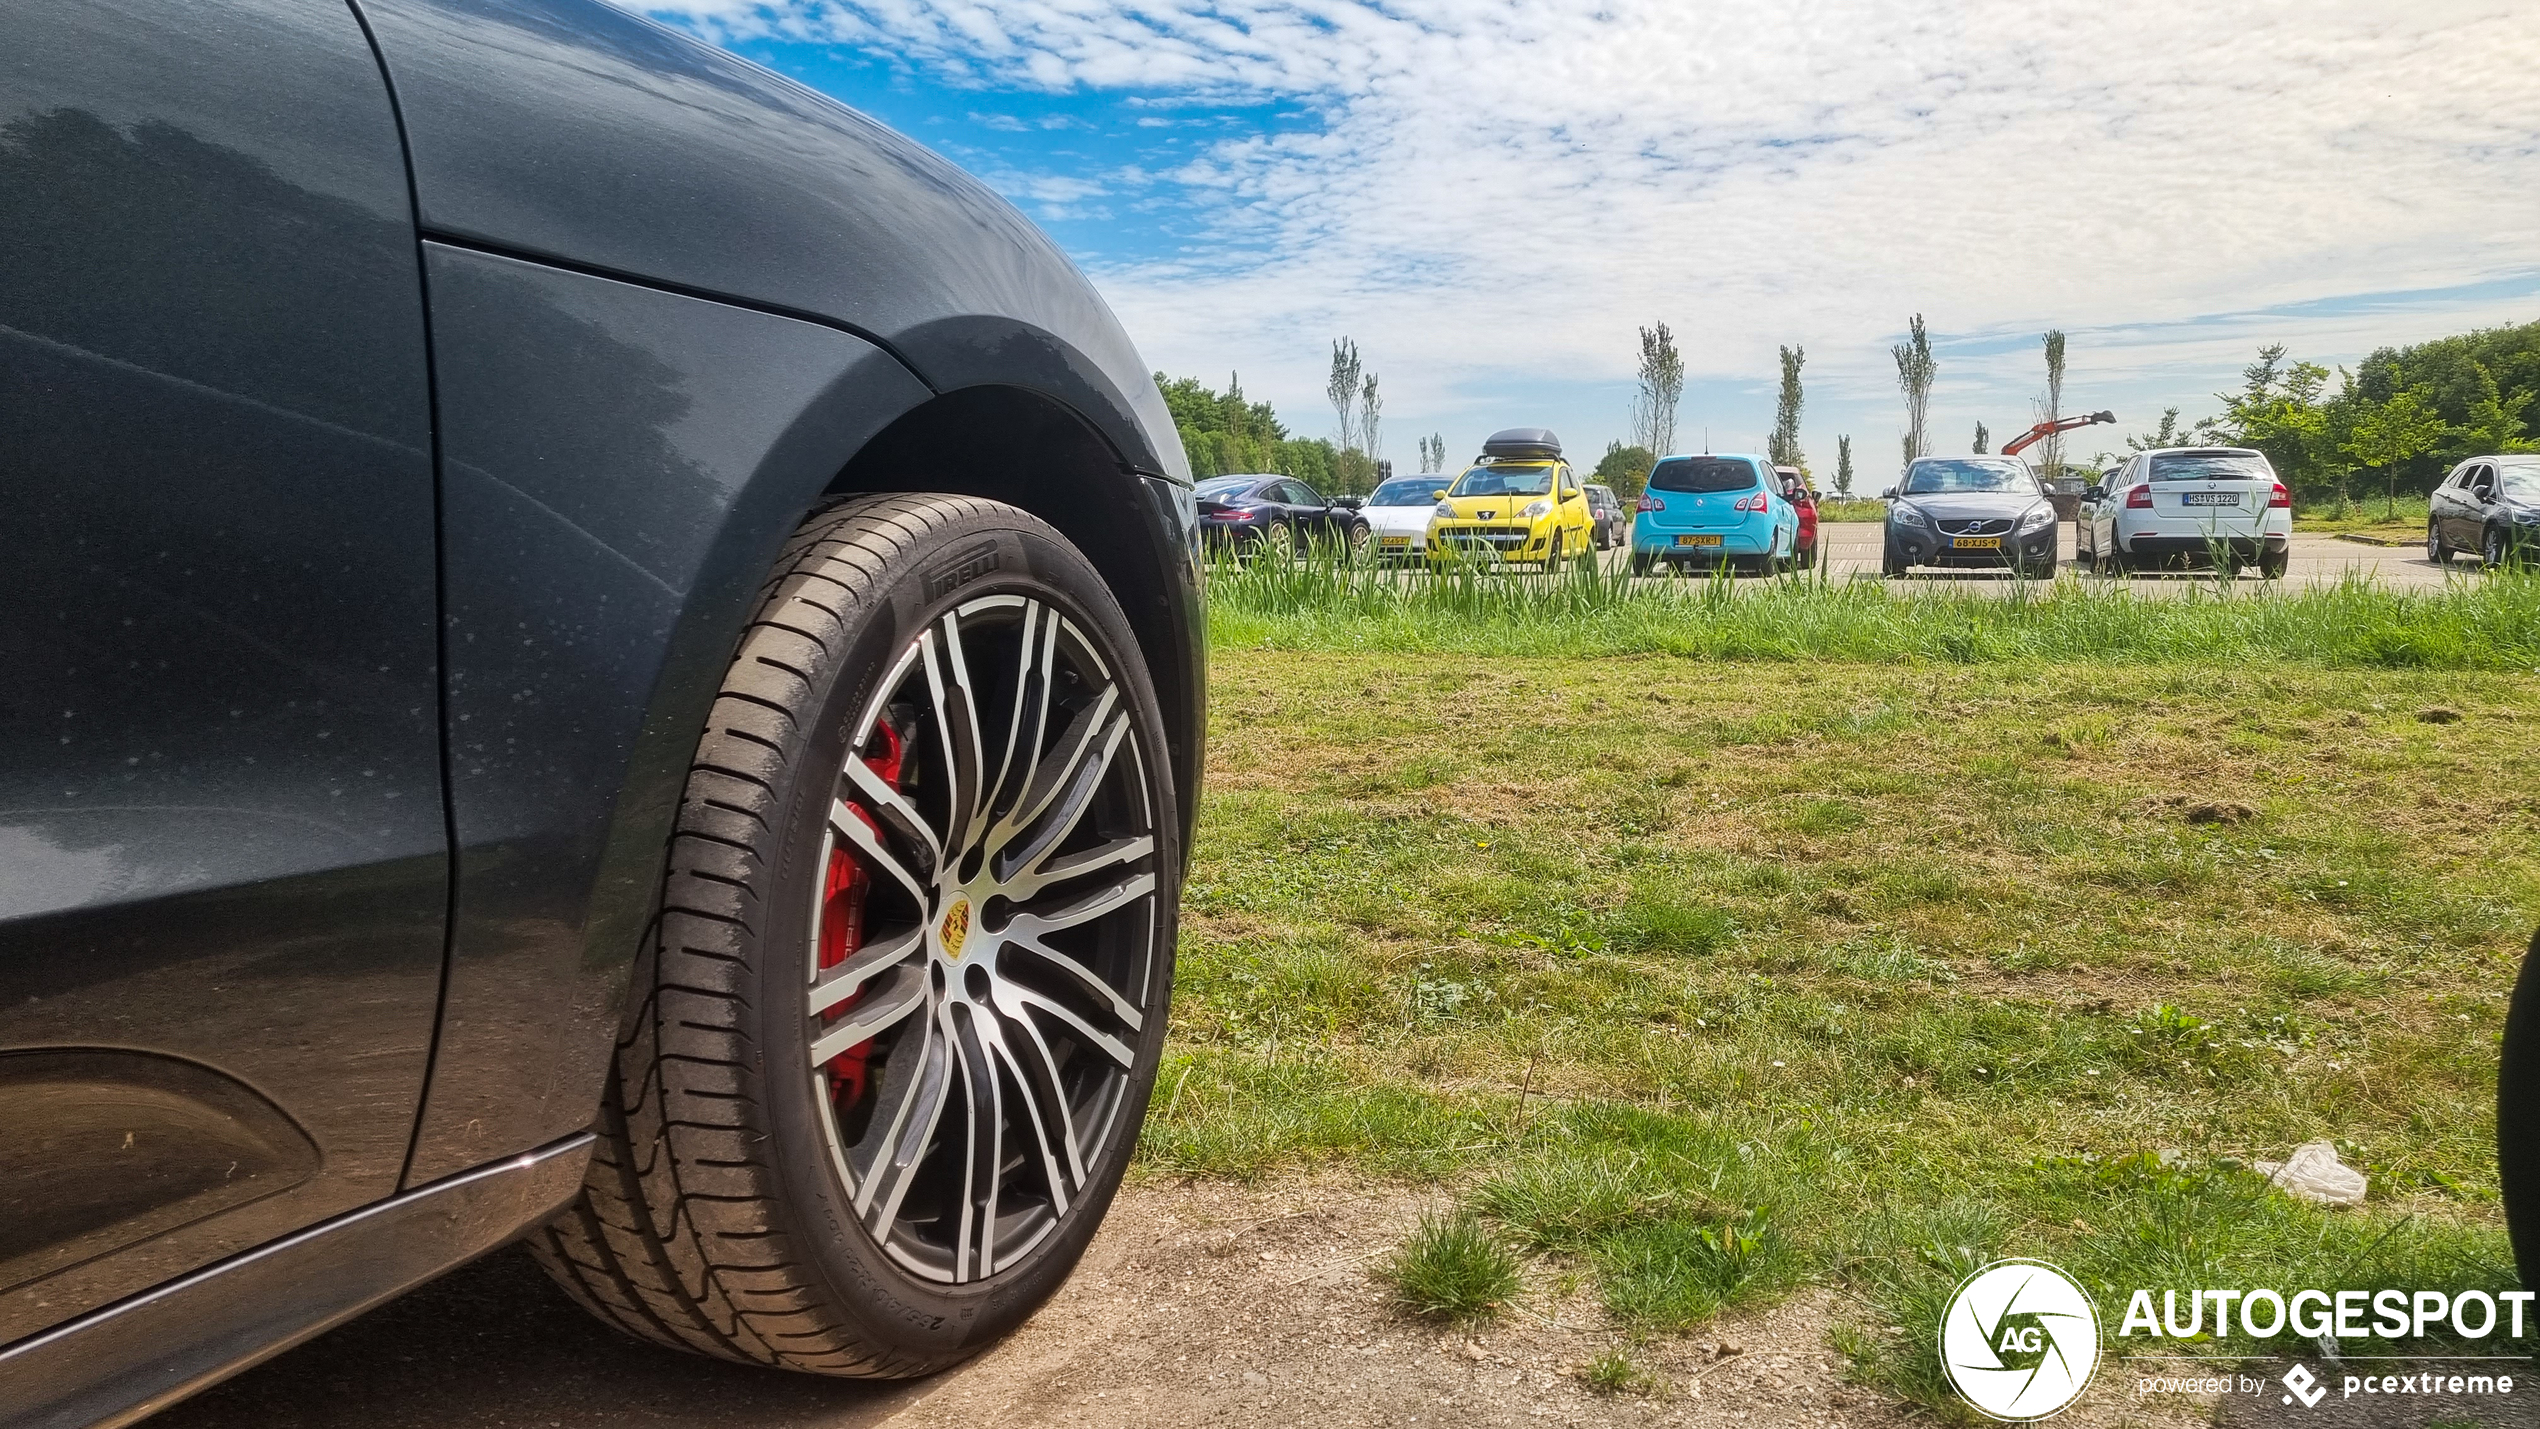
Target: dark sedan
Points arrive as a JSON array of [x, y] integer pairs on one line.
[[1969, 513], [1267, 512], [2488, 505], [598, 648]]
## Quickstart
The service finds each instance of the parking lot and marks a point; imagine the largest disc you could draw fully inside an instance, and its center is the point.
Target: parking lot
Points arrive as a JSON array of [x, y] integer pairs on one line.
[[1852, 553], [1852, 550]]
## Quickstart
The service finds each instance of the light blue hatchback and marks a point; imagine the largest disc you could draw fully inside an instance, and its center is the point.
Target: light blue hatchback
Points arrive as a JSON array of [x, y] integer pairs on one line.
[[1710, 510]]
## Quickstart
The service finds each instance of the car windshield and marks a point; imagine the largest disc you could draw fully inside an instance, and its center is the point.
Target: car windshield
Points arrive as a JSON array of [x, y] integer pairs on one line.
[[1702, 473], [1929, 477], [2211, 466], [1218, 488], [1408, 491], [1531, 479], [2519, 479]]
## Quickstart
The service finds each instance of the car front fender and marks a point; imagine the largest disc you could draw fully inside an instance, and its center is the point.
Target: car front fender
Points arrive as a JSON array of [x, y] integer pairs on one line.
[[577, 134]]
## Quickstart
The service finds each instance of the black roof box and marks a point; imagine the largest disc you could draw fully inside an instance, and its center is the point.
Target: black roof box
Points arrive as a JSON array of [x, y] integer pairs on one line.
[[1535, 442]]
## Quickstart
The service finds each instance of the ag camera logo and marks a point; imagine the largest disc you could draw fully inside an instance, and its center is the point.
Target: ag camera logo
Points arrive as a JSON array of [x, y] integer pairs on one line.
[[2019, 1340]]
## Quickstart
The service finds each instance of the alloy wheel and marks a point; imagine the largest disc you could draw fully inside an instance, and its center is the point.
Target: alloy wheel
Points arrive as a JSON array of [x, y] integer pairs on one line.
[[981, 956]]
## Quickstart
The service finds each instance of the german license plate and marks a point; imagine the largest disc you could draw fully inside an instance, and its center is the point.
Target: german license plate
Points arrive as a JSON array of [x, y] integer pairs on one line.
[[2213, 498], [1395, 543], [1975, 543], [1697, 540]]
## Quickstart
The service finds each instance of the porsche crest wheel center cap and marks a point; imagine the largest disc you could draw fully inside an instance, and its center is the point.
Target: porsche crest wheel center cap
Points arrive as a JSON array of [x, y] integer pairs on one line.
[[955, 928]]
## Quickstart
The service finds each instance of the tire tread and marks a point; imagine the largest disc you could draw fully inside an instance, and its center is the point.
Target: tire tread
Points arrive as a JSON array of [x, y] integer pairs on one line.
[[674, 1239]]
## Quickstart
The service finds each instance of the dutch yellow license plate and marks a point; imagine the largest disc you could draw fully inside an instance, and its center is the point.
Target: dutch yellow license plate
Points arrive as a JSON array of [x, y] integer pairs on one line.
[[1976, 543], [1395, 543], [1697, 540]]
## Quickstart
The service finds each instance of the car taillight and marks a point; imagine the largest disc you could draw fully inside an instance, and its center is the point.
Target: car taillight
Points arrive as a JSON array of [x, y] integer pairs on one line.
[[1760, 501], [1650, 503], [2280, 497], [2139, 499]]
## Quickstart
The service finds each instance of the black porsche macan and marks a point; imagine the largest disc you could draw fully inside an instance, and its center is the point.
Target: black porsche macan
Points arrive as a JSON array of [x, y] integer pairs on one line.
[[597, 647]]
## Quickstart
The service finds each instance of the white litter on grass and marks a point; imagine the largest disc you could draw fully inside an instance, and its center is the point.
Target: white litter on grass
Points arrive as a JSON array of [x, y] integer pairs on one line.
[[2315, 1174]]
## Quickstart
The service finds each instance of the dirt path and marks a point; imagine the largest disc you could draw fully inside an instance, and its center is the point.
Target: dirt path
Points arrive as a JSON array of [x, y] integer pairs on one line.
[[1205, 1304], [1200, 1304]]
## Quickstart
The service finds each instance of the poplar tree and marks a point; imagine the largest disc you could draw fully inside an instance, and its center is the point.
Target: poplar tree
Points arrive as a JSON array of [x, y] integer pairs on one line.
[[1371, 410], [1784, 446], [1343, 390], [2050, 454], [1662, 385], [1915, 369]]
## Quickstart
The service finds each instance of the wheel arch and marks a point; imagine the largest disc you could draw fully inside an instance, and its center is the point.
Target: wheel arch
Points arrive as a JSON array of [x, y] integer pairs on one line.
[[1022, 446], [616, 484]]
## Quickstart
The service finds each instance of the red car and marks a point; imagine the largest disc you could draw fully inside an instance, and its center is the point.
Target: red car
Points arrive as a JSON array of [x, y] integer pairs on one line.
[[1795, 487]]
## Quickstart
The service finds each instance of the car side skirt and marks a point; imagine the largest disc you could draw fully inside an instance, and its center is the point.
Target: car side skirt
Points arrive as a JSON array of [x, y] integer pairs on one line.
[[139, 1355]]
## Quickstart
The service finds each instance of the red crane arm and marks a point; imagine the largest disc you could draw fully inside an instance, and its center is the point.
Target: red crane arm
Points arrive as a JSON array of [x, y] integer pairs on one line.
[[2043, 430]]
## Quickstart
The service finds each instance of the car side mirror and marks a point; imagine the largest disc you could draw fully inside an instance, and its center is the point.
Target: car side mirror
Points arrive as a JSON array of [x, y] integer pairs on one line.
[[1888, 495], [2094, 493]]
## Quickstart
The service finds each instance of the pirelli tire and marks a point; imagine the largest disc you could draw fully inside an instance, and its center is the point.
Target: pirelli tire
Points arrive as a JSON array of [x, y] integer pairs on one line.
[[921, 667]]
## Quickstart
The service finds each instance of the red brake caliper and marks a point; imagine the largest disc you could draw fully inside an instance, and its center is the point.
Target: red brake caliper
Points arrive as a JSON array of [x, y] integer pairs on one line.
[[842, 890]]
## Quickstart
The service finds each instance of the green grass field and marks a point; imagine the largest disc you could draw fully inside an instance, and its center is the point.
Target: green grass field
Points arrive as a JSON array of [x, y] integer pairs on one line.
[[1927, 931], [1851, 508], [1322, 604], [2402, 519]]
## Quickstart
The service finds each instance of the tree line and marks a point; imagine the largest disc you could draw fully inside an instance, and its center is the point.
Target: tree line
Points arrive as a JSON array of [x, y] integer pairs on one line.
[[2393, 425], [1223, 432], [1226, 432]]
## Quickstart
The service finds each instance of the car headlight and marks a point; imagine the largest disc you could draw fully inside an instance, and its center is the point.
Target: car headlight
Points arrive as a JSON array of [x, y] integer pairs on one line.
[[1535, 509], [1444, 508], [2528, 516], [2038, 516], [1905, 513]]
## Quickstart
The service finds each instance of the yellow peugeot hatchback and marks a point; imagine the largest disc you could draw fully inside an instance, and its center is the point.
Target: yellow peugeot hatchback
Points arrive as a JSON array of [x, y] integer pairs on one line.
[[1519, 502]]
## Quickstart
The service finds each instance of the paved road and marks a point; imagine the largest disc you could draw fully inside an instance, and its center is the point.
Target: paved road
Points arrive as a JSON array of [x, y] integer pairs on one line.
[[1852, 553]]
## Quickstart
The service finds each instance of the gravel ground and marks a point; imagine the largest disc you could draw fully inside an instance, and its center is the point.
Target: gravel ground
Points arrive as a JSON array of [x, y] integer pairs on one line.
[[1200, 1304]]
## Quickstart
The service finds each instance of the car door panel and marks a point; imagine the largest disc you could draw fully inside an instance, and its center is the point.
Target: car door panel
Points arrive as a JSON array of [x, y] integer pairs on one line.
[[1316, 513], [2470, 507], [223, 859]]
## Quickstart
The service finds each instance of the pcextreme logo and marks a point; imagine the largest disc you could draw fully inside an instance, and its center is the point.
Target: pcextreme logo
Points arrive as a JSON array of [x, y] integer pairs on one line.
[[2019, 1340]]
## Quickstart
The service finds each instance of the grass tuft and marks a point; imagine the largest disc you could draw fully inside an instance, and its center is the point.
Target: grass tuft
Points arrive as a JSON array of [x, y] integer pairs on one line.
[[1613, 1372], [1453, 1269], [1674, 1274]]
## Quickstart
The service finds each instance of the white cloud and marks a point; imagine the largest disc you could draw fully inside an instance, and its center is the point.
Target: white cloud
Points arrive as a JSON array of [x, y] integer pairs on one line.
[[1499, 189]]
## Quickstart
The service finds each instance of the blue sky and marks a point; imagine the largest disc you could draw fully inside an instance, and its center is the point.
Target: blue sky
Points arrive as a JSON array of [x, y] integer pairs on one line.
[[1490, 197]]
